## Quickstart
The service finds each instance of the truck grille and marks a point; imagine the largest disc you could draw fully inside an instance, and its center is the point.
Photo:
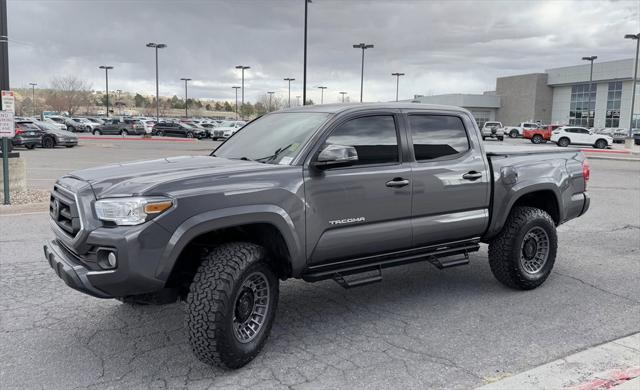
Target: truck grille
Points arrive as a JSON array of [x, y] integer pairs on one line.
[[64, 211]]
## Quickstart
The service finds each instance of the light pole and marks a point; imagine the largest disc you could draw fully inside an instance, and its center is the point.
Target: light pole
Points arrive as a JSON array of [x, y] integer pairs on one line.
[[343, 93], [270, 96], [242, 67], [33, 98], [119, 102], [186, 97], [362, 46], [289, 79], [157, 46], [304, 68], [397, 82], [322, 94], [106, 77], [636, 37], [236, 88], [590, 59]]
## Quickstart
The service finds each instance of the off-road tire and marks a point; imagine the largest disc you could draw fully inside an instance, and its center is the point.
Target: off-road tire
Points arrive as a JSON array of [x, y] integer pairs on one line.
[[506, 248], [212, 299]]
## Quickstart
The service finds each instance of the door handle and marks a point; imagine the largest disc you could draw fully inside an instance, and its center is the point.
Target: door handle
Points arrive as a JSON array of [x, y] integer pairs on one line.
[[397, 182], [473, 175]]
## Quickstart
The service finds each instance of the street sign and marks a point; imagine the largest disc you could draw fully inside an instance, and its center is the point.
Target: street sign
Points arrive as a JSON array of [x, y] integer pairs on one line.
[[7, 124], [8, 101]]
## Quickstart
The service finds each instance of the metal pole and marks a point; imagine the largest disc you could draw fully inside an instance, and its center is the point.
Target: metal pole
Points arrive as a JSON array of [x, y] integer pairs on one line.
[[4, 85], [362, 75], [270, 96], [186, 100], [321, 95], [106, 77], [635, 81], [304, 71], [242, 105], [236, 88], [157, 90], [33, 98], [289, 93], [589, 102]]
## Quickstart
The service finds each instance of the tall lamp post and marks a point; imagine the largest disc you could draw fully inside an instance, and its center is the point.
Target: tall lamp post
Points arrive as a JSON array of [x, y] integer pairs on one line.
[[33, 98], [304, 68], [289, 79], [590, 59], [322, 88], [242, 67], [236, 88], [397, 82], [186, 97], [343, 93], [106, 77], [636, 37], [270, 96], [157, 46], [362, 46]]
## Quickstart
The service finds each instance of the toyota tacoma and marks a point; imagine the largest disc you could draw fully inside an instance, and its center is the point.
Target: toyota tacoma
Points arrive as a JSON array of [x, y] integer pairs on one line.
[[338, 192]]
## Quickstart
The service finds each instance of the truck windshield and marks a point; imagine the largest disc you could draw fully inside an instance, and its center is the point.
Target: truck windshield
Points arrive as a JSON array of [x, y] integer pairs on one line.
[[273, 139]]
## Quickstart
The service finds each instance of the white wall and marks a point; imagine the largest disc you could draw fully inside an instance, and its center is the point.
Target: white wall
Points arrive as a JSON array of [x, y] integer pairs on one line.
[[601, 105], [625, 104]]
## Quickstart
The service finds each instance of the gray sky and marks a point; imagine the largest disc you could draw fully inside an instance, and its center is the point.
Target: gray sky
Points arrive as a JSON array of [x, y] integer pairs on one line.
[[442, 46]]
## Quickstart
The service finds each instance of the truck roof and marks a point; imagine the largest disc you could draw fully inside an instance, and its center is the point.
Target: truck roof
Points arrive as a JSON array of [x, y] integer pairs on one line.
[[344, 107]]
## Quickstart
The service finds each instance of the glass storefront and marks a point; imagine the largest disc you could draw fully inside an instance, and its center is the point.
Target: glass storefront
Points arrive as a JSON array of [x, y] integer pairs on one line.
[[614, 98], [582, 109], [481, 117]]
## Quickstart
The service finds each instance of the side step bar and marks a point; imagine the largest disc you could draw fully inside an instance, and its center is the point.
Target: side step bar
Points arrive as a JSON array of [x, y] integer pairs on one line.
[[433, 254]]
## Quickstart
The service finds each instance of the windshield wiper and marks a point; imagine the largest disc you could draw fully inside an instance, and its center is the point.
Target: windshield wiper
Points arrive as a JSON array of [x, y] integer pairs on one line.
[[274, 155]]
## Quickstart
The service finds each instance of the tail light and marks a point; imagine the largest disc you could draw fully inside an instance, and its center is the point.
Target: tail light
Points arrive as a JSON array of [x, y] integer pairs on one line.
[[18, 131], [586, 171]]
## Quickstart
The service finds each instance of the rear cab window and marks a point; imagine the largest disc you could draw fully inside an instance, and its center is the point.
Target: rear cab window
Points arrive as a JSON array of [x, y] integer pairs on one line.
[[437, 136]]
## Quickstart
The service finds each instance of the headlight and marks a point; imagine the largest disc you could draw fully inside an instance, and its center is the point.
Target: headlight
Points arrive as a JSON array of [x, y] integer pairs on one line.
[[131, 211]]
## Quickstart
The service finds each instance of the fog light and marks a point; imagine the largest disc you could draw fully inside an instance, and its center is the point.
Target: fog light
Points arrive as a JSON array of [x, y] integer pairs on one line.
[[111, 260], [107, 259]]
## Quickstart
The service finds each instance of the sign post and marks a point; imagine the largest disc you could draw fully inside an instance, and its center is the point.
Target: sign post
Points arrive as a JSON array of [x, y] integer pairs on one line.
[[7, 130]]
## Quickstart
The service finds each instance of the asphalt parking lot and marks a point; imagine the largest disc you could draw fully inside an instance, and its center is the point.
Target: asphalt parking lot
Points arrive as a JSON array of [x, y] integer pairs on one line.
[[420, 328]]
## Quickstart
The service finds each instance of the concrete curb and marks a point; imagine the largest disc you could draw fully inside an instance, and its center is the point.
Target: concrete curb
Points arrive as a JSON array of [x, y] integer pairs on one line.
[[605, 366], [29, 208], [89, 138]]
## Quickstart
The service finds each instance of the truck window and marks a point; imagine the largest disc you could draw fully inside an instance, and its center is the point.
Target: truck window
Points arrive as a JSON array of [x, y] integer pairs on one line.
[[374, 137], [437, 136]]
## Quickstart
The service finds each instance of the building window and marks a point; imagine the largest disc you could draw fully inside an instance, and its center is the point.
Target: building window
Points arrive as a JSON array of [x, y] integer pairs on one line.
[[481, 117], [580, 112], [636, 109], [614, 97]]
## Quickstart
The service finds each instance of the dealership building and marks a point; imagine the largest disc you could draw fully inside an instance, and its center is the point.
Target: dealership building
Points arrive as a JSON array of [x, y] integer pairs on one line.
[[559, 96]]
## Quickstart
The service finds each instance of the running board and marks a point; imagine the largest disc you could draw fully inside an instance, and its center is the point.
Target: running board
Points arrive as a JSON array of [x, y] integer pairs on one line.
[[338, 270]]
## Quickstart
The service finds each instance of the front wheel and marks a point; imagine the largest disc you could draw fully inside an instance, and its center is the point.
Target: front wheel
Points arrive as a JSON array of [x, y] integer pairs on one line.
[[96, 132], [537, 139], [563, 142], [513, 133], [523, 254], [600, 144], [48, 142], [124, 132], [231, 305], [189, 135]]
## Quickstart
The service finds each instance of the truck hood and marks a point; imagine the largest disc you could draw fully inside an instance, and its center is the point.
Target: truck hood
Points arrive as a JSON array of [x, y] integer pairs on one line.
[[159, 176]]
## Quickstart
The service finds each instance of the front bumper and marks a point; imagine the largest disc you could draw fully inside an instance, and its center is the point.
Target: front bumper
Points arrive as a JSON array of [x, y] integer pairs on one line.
[[62, 142]]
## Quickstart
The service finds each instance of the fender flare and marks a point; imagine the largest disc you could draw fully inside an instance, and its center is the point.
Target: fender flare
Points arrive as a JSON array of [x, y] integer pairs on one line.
[[227, 218]]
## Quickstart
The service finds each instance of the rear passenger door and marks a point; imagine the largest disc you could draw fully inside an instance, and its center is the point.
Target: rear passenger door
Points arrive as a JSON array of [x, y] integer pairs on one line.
[[362, 209], [451, 183]]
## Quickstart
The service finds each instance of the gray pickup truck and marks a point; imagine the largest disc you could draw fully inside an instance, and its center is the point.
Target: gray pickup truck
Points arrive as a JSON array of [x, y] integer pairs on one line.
[[336, 192]]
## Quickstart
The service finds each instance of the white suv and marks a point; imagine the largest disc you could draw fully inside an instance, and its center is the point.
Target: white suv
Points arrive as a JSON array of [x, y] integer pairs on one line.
[[492, 130], [567, 135]]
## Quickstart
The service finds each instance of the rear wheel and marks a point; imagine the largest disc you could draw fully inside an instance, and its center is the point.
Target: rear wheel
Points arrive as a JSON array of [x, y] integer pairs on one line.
[[124, 132], [564, 142], [537, 139], [160, 133], [600, 144], [231, 305], [48, 142], [513, 133], [523, 254], [189, 135], [30, 146], [96, 132]]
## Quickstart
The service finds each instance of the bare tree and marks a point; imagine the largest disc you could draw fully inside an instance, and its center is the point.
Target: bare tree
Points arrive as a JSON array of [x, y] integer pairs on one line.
[[68, 93], [276, 102]]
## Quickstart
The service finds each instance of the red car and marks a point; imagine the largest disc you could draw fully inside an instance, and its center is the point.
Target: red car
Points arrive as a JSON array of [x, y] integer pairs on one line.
[[540, 135]]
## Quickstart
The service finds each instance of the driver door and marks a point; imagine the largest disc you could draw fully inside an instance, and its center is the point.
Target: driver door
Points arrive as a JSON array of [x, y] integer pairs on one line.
[[365, 208]]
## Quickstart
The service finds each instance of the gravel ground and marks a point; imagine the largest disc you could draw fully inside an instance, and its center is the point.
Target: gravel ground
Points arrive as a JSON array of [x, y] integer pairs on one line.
[[31, 195]]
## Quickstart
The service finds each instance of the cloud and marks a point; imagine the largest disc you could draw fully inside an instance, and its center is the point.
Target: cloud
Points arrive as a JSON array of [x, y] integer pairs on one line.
[[443, 47]]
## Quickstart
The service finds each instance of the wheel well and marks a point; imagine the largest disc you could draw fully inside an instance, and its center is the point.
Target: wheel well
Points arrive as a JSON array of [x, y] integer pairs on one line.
[[263, 234], [544, 200]]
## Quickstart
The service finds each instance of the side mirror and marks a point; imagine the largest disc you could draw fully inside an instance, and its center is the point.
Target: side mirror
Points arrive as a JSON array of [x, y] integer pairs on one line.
[[336, 156]]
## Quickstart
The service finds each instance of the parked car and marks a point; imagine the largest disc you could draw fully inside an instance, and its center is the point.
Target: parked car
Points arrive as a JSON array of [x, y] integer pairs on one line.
[[572, 135], [492, 130], [148, 125], [27, 135], [541, 134], [53, 136], [340, 192], [518, 131], [87, 124], [227, 129], [75, 125], [636, 137], [115, 126], [177, 129], [51, 121]]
